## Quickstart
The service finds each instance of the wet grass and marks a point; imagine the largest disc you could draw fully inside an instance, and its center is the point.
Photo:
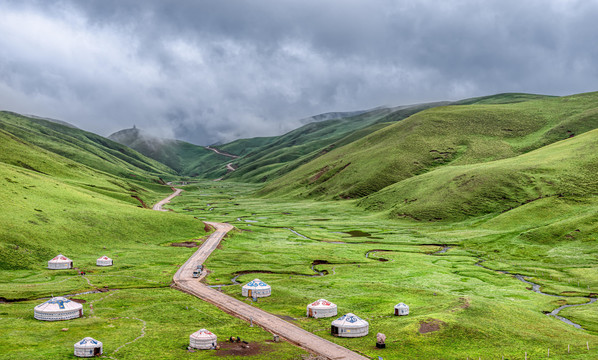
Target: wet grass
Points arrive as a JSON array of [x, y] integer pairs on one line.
[[118, 317], [481, 312]]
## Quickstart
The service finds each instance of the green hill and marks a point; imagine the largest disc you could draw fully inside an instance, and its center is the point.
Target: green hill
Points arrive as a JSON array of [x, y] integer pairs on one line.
[[184, 158], [270, 158], [564, 170], [67, 190], [79, 146], [455, 135]]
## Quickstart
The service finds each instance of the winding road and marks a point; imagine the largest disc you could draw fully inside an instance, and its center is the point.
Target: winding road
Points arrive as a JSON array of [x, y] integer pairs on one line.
[[222, 152], [158, 206], [184, 281]]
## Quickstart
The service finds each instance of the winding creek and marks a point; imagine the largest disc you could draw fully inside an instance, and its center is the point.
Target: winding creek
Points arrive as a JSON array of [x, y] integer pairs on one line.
[[536, 289], [444, 248], [234, 281]]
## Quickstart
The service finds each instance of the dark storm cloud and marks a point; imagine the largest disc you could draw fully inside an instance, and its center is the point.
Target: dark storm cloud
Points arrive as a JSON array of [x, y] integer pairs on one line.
[[209, 71]]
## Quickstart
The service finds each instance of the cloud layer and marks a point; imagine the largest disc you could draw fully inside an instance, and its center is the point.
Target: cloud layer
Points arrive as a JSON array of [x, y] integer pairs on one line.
[[213, 71]]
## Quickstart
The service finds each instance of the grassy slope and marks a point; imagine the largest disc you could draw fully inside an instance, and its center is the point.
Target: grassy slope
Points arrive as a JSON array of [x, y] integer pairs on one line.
[[82, 147], [242, 147], [455, 135], [470, 301], [184, 158], [53, 204], [48, 216], [568, 169], [58, 204], [280, 155], [505, 98]]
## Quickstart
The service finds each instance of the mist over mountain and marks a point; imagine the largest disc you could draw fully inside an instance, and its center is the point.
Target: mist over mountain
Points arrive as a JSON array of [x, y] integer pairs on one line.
[[207, 72]]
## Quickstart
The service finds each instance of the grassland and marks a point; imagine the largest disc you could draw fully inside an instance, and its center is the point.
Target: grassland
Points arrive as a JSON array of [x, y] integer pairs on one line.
[[54, 204], [435, 138], [265, 159], [81, 146], [507, 182], [556, 174], [479, 312]]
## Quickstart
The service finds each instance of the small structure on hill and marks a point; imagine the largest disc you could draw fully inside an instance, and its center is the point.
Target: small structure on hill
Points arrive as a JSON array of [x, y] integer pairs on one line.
[[58, 308], [104, 261], [401, 309], [88, 347], [203, 340], [60, 262], [321, 308], [349, 325], [256, 288]]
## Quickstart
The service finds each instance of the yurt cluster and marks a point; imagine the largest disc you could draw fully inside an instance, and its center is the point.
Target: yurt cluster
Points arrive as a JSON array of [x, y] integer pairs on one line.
[[61, 308], [61, 262], [348, 325]]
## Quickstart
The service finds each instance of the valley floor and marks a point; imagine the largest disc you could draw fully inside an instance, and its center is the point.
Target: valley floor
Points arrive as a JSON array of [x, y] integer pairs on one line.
[[460, 305]]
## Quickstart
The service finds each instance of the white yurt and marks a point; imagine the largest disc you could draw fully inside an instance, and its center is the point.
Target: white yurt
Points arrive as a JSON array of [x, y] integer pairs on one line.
[[401, 309], [349, 325], [203, 340], [88, 347], [321, 308], [256, 288], [104, 261], [60, 262], [58, 308]]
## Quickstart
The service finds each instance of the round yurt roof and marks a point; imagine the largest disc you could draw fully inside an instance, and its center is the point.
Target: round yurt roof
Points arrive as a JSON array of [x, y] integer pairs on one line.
[[60, 258], [58, 304], [256, 284], [322, 304], [350, 321], [401, 305], [104, 258], [88, 343], [203, 334]]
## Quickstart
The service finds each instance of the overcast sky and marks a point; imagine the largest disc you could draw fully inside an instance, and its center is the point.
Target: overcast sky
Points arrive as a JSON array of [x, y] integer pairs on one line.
[[213, 71]]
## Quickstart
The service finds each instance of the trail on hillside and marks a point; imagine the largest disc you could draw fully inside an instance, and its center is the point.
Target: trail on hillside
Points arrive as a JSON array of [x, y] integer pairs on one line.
[[222, 153], [229, 167], [184, 281]]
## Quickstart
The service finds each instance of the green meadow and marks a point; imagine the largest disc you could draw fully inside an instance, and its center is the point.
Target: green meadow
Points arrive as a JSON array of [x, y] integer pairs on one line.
[[442, 207], [476, 312], [85, 207]]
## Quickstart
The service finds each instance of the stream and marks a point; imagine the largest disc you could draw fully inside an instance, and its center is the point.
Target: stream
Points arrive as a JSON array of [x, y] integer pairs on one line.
[[536, 289], [234, 280]]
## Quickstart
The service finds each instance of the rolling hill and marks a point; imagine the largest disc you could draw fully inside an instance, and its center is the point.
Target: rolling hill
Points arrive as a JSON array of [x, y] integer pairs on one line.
[[564, 170], [67, 190], [184, 158], [80, 146], [265, 159], [439, 137]]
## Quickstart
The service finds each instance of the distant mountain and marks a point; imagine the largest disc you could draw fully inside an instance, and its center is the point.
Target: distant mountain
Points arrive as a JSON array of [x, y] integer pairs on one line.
[[265, 159], [331, 116], [184, 158]]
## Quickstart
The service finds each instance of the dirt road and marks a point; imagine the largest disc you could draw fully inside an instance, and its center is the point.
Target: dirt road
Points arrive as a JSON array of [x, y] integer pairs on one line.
[[158, 206], [184, 281], [222, 153], [230, 167]]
